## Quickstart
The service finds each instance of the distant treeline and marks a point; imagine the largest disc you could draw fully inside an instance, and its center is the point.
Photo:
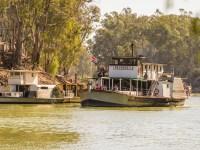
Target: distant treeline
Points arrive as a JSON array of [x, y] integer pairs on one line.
[[170, 39]]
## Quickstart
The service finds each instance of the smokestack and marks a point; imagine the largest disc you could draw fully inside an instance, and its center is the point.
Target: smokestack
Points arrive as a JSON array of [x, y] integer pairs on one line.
[[132, 47]]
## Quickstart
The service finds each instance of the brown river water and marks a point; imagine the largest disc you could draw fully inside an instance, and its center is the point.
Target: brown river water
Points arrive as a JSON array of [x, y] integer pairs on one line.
[[70, 127]]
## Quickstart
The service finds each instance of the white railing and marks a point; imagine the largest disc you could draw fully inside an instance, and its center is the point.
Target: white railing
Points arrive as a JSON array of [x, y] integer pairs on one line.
[[123, 71], [69, 94], [12, 94]]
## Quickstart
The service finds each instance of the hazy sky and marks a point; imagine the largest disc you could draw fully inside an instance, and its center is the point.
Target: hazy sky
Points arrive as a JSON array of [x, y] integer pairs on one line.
[[148, 7]]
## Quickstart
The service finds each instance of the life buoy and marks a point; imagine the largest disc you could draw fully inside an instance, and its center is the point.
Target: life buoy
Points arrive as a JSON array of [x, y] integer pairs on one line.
[[98, 87], [156, 92]]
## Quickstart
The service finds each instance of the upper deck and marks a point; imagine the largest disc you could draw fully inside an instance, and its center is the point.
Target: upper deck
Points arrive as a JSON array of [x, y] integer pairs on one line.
[[23, 77], [133, 67]]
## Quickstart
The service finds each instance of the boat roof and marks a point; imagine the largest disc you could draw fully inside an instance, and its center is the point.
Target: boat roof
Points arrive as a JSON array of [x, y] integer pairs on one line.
[[124, 78], [147, 63], [46, 85], [29, 71], [139, 57]]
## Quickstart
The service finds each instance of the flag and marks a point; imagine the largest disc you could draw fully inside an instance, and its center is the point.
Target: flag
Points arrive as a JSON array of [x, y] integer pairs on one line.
[[93, 59]]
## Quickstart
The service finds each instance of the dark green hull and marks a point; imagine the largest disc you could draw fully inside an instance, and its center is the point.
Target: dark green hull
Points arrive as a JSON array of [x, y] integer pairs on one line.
[[22, 100], [112, 99]]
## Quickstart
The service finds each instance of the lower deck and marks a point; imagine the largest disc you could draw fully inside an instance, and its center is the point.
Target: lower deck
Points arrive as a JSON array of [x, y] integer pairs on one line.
[[115, 99], [22, 100]]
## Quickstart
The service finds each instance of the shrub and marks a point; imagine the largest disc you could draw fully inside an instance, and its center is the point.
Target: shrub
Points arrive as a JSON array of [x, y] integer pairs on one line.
[[57, 93]]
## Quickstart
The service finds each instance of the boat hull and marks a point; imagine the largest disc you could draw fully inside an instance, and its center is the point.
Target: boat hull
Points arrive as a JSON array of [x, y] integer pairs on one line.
[[113, 99], [22, 100]]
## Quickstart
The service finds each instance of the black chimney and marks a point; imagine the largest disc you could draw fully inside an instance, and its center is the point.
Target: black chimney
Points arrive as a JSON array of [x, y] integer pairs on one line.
[[132, 46]]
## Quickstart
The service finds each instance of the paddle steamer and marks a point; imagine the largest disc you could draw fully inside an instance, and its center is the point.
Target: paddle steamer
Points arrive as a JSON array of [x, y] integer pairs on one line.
[[133, 83]]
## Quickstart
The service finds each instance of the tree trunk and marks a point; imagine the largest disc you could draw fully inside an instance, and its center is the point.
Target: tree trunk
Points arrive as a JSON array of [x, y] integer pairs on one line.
[[18, 45], [36, 49]]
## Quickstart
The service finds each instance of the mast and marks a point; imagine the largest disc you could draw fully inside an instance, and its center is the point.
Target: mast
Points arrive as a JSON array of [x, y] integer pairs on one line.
[[132, 48]]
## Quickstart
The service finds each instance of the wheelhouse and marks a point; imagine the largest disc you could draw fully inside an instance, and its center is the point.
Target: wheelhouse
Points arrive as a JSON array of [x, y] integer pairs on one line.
[[134, 67]]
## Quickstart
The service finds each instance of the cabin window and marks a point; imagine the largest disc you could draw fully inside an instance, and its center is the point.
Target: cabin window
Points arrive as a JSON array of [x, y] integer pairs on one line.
[[32, 74], [167, 85], [44, 87], [135, 62], [8, 94], [17, 73], [160, 68], [2, 47], [149, 67], [154, 67]]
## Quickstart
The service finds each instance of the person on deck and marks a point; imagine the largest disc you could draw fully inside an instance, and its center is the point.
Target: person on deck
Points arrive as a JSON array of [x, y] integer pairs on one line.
[[116, 87]]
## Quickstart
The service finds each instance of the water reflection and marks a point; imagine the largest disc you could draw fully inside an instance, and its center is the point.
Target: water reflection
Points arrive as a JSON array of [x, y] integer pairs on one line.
[[136, 108], [30, 139], [35, 127]]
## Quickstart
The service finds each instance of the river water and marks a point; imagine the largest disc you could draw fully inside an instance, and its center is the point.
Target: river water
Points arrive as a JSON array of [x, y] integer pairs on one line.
[[70, 127]]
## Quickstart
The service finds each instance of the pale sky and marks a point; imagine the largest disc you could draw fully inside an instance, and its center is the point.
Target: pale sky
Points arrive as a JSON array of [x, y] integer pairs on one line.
[[148, 7]]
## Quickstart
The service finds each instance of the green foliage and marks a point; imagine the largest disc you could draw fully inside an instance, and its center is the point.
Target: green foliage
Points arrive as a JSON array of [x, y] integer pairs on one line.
[[84, 65], [57, 93], [54, 66], [196, 26], [47, 29]]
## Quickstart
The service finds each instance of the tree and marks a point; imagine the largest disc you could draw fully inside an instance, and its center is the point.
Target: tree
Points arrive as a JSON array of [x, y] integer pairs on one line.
[[43, 30]]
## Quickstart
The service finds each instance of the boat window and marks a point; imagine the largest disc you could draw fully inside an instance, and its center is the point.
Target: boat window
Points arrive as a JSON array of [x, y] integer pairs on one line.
[[7, 94], [145, 67], [135, 62], [2, 47], [149, 67], [17, 73], [44, 87], [160, 68], [32, 74], [167, 85]]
